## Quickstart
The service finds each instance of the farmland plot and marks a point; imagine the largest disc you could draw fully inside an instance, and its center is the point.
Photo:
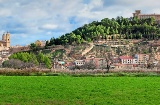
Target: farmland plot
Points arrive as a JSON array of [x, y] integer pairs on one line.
[[48, 90]]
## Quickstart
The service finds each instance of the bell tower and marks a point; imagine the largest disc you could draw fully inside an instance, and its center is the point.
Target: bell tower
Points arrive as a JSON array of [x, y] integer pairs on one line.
[[7, 39], [4, 37]]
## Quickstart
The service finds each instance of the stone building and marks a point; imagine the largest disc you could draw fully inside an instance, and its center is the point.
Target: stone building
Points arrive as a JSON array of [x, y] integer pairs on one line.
[[40, 43], [5, 42], [142, 58], [144, 16]]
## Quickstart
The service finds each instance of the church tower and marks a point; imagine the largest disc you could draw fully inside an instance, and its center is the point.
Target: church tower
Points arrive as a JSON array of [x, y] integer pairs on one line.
[[7, 39], [4, 37]]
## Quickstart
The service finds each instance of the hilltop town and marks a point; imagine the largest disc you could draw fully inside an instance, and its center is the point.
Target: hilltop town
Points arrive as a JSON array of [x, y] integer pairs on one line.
[[118, 44]]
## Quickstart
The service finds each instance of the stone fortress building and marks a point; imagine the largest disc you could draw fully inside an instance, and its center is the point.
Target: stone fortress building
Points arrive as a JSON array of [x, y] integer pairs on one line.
[[144, 16], [5, 42], [4, 47]]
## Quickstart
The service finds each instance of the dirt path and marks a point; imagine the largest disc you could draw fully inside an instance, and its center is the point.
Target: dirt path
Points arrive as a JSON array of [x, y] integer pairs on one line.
[[88, 49]]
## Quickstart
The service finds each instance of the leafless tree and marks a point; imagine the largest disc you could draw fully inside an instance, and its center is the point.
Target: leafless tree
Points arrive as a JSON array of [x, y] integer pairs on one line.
[[89, 65], [17, 64]]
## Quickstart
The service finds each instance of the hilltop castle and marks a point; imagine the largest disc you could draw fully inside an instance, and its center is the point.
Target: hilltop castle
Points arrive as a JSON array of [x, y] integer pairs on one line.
[[5, 42], [144, 16]]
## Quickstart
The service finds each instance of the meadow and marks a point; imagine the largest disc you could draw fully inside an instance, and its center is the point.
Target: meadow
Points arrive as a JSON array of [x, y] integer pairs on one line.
[[67, 90]]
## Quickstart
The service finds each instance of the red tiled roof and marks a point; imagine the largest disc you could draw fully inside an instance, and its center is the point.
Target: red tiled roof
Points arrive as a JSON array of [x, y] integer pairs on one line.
[[126, 57]]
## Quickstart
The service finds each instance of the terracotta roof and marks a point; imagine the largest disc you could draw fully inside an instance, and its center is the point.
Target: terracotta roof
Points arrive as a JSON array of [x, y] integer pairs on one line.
[[126, 57]]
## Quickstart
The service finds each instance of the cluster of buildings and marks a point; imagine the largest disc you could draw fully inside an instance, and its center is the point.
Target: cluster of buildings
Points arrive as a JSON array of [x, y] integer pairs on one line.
[[121, 62], [139, 60], [98, 63]]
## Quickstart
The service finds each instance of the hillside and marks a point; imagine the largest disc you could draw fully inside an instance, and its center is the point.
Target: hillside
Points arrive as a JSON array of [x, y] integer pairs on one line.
[[110, 29], [108, 39]]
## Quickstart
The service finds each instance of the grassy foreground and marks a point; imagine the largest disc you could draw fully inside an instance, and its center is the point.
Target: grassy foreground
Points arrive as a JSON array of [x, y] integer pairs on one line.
[[61, 90]]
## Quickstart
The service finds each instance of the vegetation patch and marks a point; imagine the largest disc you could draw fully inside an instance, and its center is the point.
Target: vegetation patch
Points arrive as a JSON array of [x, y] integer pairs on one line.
[[23, 60], [49, 90], [77, 73], [110, 29]]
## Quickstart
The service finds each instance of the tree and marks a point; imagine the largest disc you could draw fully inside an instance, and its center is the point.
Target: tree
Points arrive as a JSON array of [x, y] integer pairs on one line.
[[89, 65], [47, 44], [52, 41], [88, 40], [72, 37], [78, 39], [17, 64], [47, 62], [33, 46], [108, 64], [40, 57], [33, 59], [24, 58]]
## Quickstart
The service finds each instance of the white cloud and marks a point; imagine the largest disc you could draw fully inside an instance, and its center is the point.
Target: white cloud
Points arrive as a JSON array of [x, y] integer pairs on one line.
[[49, 33], [49, 27], [5, 12], [43, 19]]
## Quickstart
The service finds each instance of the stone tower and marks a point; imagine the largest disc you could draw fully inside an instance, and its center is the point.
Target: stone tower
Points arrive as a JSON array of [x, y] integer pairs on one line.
[[6, 39], [137, 12]]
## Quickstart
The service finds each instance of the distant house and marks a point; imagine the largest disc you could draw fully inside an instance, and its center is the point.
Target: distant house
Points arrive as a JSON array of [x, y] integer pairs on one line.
[[4, 52], [157, 56], [142, 58], [59, 65], [79, 62], [69, 64], [116, 60], [99, 62], [130, 62], [126, 59], [124, 62], [40, 43], [137, 59]]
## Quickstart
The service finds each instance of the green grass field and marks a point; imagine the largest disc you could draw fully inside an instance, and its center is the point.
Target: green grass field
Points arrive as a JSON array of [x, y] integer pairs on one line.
[[61, 90]]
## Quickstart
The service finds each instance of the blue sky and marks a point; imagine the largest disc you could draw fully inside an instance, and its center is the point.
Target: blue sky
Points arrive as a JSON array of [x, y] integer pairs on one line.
[[31, 20]]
